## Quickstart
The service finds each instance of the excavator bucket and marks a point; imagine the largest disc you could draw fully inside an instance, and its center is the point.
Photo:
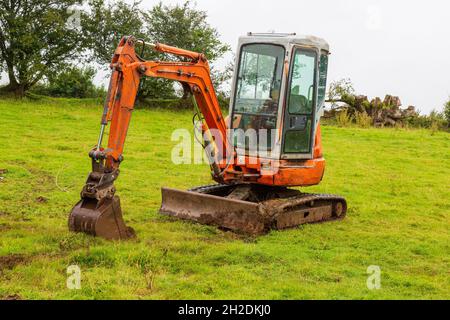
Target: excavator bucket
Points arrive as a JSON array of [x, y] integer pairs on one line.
[[100, 218]]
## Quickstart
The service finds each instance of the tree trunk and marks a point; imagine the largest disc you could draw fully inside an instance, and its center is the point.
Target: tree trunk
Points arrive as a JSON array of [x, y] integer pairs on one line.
[[18, 90], [13, 87]]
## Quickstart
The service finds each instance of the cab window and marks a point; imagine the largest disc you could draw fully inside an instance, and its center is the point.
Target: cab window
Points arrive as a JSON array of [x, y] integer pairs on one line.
[[258, 91], [302, 83], [301, 101]]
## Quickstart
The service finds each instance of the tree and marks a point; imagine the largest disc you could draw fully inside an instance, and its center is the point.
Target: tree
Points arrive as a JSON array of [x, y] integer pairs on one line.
[[220, 77], [340, 90], [186, 27], [106, 23], [181, 25], [36, 40]]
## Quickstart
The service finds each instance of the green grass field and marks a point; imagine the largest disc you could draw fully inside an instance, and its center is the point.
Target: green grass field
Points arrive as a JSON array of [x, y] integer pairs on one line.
[[397, 183]]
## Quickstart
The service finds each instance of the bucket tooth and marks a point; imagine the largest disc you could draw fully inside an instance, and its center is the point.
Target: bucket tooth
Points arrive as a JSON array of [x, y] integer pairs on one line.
[[100, 218]]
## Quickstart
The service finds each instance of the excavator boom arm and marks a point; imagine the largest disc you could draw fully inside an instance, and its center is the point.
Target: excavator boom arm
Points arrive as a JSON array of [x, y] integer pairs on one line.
[[127, 71]]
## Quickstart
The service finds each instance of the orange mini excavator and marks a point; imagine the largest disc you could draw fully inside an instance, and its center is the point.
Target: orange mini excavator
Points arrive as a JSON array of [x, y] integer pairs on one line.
[[270, 141]]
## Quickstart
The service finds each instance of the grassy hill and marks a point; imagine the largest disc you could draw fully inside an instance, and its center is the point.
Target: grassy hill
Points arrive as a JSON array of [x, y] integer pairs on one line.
[[397, 183]]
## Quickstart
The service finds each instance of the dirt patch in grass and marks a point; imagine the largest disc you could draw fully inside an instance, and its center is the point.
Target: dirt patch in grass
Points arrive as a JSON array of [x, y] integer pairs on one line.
[[11, 297], [4, 227], [2, 173], [41, 199], [42, 177], [11, 261], [42, 181]]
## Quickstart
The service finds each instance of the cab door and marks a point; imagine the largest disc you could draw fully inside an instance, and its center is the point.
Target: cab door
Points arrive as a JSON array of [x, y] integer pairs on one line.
[[300, 102]]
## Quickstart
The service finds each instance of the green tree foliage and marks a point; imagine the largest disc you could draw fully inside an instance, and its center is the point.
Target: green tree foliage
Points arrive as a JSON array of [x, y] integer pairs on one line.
[[183, 26], [36, 40], [106, 23], [72, 82], [447, 112], [341, 90], [437, 119], [186, 27]]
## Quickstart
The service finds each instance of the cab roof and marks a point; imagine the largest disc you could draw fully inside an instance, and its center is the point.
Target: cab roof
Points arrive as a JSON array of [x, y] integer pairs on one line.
[[285, 39]]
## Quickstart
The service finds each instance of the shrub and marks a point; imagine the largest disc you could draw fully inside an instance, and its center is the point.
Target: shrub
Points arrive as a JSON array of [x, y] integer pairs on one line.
[[155, 88], [224, 101], [343, 119], [447, 113], [363, 120], [437, 120], [419, 121], [72, 82], [434, 127]]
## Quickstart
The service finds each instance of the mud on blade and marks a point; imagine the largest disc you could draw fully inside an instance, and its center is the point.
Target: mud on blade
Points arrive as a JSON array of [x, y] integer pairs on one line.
[[236, 215], [249, 209]]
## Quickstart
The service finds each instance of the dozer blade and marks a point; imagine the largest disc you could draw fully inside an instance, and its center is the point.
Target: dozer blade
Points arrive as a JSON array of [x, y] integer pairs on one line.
[[236, 215], [257, 210], [100, 218]]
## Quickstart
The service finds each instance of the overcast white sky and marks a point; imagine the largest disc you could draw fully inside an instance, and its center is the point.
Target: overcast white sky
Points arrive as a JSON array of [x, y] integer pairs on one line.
[[398, 47]]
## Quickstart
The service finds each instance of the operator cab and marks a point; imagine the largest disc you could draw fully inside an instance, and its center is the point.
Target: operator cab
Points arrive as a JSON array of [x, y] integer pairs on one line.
[[278, 93]]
